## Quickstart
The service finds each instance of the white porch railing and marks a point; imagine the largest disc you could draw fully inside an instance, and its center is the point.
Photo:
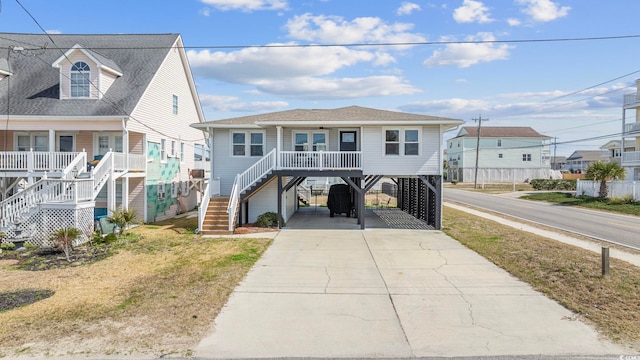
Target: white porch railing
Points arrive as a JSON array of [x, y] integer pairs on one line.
[[632, 129], [321, 160], [29, 161], [630, 157], [131, 162], [630, 99], [45, 190]]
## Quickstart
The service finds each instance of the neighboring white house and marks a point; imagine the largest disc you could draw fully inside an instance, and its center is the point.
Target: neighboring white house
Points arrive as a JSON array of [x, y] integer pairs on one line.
[[92, 123], [506, 154], [614, 150], [631, 133], [580, 159], [258, 161]]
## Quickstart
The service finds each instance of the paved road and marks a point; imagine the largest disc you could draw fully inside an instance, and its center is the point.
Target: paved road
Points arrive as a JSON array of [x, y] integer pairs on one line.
[[620, 229]]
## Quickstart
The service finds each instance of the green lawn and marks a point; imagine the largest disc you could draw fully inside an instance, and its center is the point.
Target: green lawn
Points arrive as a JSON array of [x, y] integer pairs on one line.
[[622, 206]]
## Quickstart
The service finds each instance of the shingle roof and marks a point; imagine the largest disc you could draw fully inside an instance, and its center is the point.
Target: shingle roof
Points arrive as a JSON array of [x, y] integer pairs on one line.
[[501, 132], [588, 155], [350, 115], [35, 83]]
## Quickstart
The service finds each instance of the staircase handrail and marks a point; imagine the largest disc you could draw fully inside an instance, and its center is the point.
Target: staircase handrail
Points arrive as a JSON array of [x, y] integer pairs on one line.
[[101, 172], [247, 178], [304, 192], [79, 163], [204, 204], [234, 201], [42, 191], [259, 169]]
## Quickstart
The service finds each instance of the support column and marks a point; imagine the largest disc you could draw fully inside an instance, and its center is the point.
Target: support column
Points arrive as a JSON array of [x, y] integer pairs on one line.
[[280, 202]]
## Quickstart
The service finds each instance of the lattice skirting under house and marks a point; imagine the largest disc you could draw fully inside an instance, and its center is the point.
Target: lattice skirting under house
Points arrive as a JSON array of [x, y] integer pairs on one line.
[[38, 227]]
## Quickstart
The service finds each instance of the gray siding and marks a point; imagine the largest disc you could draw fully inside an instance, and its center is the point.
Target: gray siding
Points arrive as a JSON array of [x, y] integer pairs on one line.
[[376, 162], [226, 167]]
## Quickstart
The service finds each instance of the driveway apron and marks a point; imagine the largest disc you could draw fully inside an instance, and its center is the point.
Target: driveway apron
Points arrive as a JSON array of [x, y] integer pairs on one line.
[[388, 293]]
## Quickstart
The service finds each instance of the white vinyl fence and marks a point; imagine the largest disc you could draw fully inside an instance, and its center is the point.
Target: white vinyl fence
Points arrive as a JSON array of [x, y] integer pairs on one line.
[[499, 175], [617, 189]]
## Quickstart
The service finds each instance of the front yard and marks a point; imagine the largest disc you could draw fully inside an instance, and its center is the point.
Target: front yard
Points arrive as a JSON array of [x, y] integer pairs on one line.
[[158, 293]]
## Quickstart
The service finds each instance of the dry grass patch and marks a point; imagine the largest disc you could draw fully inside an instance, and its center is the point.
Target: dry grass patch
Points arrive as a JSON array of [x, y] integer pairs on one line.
[[158, 295], [567, 274]]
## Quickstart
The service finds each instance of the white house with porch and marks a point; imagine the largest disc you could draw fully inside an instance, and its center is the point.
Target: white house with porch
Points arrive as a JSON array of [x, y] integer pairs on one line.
[[92, 123], [258, 161]]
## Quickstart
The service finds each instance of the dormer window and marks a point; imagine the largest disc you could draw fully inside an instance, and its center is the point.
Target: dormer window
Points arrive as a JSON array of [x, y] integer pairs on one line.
[[80, 79]]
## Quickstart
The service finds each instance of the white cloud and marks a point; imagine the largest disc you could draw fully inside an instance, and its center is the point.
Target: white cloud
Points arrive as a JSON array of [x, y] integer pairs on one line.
[[339, 88], [467, 54], [543, 10], [407, 8], [204, 11], [253, 65], [514, 22], [247, 5], [233, 104], [337, 30], [53, 32], [472, 11]]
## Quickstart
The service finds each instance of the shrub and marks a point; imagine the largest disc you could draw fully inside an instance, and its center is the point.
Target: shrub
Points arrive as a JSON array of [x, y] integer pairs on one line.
[[123, 218], [268, 219], [454, 182], [553, 184], [7, 246], [63, 238], [628, 199]]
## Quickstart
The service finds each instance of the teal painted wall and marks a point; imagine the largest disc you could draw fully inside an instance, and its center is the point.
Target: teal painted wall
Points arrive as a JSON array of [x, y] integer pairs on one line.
[[158, 172]]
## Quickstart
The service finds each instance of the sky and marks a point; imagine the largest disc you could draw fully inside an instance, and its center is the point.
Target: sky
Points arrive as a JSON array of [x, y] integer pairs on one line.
[[500, 60]]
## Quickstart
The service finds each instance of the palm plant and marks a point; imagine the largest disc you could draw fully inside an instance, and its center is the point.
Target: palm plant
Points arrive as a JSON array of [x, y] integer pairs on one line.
[[603, 172], [64, 238], [123, 218]]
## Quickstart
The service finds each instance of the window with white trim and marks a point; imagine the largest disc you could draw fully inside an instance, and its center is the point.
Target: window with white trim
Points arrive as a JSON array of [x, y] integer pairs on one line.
[[161, 190], [181, 151], [175, 105], [80, 80], [392, 142], [163, 150], [411, 142], [35, 141], [402, 142], [526, 157], [309, 141], [499, 142], [499, 156], [247, 143], [173, 148]]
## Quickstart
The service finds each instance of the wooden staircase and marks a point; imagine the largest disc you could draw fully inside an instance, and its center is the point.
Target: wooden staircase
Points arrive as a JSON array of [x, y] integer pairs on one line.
[[216, 220]]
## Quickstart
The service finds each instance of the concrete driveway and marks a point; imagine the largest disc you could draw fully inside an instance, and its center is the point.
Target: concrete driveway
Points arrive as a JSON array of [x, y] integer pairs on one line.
[[389, 293]]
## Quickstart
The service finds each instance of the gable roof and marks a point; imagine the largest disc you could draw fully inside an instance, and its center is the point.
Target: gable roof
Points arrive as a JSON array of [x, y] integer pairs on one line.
[[102, 61], [500, 132], [351, 115], [588, 155], [35, 83], [615, 144]]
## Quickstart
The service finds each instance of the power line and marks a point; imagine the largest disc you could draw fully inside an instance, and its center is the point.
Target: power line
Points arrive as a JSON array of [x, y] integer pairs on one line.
[[385, 44]]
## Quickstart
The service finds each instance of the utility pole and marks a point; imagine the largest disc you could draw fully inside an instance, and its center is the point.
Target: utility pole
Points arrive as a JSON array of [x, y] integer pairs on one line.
[[555, 144], [479, 120]]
